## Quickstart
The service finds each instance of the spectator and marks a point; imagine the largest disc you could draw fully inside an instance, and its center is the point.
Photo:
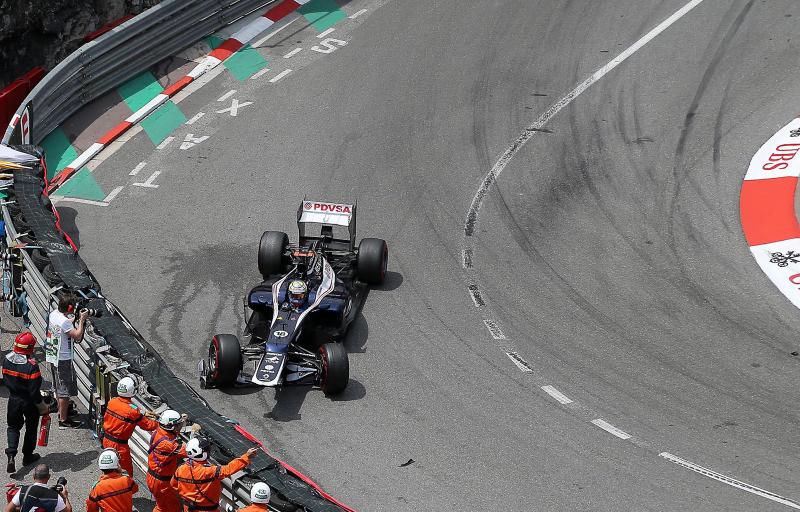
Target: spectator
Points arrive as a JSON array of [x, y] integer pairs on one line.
[[62, 332], [39, 496]]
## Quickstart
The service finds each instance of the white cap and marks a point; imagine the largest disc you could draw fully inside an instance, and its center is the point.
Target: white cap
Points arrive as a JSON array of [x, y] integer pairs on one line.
[[197, 448], [260, 493], [109, 459], [126, 387], [169, 419]]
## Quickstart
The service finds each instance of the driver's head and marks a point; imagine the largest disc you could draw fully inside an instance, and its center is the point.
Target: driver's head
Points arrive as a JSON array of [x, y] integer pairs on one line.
[[297, 293]]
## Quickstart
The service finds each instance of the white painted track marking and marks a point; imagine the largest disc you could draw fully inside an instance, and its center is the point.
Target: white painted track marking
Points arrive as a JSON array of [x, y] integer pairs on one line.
[[357, 14], [558, 395], [165, 142], [611, 429], [280, 75], [521, 363], [234, 108], [111, 195], [730, 481], [227, 95], [148, 183], [195, 118], [138, 168], [62, 199], [260, 74], [494, 329], [519, 142], [325, 33], [475, 294], [293, 52], [269, 36]]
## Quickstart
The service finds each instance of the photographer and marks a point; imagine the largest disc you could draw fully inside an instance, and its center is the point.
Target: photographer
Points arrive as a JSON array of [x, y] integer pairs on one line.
[[39, 496], [61, 333]]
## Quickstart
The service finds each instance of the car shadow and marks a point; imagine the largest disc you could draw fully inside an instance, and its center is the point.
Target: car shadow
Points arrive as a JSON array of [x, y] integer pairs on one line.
[[242, 391], [356, 339], [354, 391], [288, 401], [391, 282]]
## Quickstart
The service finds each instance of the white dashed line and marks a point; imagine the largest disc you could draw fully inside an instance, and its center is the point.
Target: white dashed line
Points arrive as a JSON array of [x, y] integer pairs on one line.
[[165, 142], [730, 481], [357, 14], [293, 52], [494, 330], [521, 363], [611, 429], [111, 195], [558, 395], [227, 95], [148, 183], [260, 74], [325, 33], [195, 118], [475, 294], [138, 168], [280, 75]]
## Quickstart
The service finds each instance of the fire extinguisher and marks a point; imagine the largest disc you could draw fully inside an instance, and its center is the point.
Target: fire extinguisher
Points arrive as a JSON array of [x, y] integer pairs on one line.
[[44, 430]]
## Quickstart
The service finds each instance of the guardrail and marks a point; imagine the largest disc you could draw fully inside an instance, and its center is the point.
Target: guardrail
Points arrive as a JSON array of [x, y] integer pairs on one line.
[[45, 261]]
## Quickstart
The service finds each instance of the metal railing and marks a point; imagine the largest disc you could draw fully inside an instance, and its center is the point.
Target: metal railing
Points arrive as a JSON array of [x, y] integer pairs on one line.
[[82, 77]]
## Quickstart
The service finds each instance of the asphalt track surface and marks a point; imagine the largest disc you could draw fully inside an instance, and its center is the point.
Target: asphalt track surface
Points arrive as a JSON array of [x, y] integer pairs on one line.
[[609, 253]]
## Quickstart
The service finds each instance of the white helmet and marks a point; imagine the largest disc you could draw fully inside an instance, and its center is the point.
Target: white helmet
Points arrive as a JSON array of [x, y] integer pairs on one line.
[[126, 387], [260, 493], [197, 448], [109, 459], [169, 419], [297, 293]]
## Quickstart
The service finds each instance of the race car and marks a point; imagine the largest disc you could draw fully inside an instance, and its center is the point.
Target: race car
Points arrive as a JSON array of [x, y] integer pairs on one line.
[[310, 294]]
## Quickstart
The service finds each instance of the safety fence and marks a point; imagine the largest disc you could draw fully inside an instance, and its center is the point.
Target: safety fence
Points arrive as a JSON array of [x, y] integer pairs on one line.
[[42, 262]]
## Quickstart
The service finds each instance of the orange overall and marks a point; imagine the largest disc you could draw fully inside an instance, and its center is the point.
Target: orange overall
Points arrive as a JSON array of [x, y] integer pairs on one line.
[[162, 460], [255, 507], [199, 483], [112, 493], [118, 423]]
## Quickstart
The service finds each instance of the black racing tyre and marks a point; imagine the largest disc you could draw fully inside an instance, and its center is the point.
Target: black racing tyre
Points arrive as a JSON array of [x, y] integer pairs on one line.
[[271, 253], [335, 368], [39, 258], [224, 360], [373, 256], [51, 276]]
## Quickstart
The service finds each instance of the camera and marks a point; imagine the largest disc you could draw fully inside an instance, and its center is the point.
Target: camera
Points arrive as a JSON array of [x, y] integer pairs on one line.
[[60, 483], [97, 313]]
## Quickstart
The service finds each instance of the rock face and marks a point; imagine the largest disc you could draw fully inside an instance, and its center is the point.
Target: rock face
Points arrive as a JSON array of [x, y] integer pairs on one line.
[[43, 32]]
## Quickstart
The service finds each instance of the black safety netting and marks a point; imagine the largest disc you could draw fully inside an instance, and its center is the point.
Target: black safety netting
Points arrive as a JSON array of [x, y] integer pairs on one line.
[[38, 217]]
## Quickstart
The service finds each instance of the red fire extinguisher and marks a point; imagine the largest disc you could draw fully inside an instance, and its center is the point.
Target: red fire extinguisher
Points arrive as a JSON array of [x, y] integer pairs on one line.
[[44, 431]]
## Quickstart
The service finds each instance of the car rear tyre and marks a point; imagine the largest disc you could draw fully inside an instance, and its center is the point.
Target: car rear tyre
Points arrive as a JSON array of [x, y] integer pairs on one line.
[[373, 256], [335, 368], [272, 253], [224, 360]]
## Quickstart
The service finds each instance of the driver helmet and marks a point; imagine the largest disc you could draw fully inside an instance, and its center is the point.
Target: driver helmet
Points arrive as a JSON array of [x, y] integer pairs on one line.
[[297, 293]]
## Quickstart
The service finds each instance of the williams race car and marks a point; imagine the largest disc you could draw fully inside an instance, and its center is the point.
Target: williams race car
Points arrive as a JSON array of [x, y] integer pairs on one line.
[[310, 295]]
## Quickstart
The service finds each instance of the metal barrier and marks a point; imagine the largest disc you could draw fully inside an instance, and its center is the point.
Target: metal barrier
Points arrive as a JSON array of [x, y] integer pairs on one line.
[[91, 71]]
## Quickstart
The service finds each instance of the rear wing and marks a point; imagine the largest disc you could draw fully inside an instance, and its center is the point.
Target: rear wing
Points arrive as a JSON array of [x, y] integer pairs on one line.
[[330, 214]]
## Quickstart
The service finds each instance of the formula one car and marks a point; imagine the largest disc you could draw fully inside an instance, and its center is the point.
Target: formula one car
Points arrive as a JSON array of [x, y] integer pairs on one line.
[[310, 295]]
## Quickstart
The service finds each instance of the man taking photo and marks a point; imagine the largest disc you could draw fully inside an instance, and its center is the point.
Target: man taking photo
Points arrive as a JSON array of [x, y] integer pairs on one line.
[[61, 333], [39, 496]]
